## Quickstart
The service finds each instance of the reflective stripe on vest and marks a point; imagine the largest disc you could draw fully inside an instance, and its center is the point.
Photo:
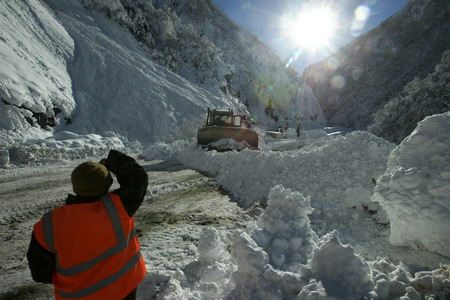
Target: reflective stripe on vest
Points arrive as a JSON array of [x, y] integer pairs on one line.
[[104, 282], [119, 247]]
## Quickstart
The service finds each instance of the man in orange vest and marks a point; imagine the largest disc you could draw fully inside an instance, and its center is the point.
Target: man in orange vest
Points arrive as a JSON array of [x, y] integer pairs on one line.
[[89, 248]]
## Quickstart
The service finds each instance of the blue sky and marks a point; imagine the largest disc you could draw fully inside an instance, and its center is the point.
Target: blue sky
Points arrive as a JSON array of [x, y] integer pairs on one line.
[[264, 19]]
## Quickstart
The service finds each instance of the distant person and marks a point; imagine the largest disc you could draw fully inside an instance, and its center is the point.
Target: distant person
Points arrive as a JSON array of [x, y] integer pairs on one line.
[[298, 130], [89, 248]]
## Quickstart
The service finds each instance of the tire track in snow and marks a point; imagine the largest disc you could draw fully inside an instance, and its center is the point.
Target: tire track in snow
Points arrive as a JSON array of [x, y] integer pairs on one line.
[[22, 213]]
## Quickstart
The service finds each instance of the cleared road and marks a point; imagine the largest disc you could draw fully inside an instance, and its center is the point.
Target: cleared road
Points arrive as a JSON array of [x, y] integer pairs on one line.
[[179, 203]]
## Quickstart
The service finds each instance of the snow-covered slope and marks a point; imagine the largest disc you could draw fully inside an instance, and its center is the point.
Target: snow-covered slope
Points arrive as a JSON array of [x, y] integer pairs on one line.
[[315, 202], [361, 78], [91, 75], [199, 42], [67, 68], [34, 82]]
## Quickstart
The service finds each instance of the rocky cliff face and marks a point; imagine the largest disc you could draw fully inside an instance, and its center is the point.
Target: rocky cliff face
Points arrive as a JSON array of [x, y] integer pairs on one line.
[[362, 77], [420, 98]]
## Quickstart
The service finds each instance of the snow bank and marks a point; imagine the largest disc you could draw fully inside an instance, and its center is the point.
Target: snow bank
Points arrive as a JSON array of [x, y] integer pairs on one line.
[[337, 172], [64, 146], [415, 189], [162, 150]]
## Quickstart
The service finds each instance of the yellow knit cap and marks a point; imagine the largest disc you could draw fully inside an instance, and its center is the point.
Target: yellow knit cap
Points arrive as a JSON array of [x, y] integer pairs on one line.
[[91, 179]]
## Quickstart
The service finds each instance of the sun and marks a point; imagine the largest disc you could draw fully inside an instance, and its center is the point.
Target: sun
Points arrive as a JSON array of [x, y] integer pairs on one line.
[[311, 28]]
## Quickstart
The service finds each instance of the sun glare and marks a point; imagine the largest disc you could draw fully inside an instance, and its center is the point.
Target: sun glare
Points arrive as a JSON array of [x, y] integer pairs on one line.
[[312, 28]]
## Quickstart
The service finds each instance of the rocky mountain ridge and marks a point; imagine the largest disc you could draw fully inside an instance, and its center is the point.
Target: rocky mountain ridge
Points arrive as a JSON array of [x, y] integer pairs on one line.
[[361, 78]]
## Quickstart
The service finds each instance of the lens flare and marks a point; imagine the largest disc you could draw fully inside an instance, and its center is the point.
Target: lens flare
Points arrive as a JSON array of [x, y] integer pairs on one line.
[[337, 81], [362, 14], [292, 59], [332, 63]]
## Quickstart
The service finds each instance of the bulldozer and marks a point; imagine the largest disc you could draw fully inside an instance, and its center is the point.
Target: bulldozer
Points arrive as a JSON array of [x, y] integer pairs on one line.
[[225, 131]]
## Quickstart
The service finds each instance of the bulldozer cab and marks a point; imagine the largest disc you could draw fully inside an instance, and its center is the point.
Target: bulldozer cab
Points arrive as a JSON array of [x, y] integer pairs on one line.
[[223, 118], [226, 118]]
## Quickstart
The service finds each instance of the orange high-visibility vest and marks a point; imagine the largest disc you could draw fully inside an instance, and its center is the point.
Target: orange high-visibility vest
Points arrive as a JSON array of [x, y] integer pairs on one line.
[[96, 249]]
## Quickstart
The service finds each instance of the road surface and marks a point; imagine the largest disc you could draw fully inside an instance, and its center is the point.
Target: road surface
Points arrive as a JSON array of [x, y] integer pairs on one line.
[[178, 204]]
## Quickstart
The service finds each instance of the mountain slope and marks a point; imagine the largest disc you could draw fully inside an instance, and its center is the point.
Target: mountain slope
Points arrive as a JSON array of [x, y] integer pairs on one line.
[[420, 98], [199, 42], [34, 83], [90, 76], [363, 76], [67, 68]]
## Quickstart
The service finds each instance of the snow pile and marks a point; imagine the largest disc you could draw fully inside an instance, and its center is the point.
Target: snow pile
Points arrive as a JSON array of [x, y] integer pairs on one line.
[[415, 189], [394, 281], [209, 276], [275, 252], [286, 234], [331, 270], [342, 273], [283, 257]]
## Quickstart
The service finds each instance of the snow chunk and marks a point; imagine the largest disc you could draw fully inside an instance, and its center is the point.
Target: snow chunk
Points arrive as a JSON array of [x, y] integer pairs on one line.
[[209, 276], [417, 180], [342, 273]]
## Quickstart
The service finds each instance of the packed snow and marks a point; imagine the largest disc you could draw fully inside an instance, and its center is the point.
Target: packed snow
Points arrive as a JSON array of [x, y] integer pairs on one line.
[[333, 213], [423, 173]]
